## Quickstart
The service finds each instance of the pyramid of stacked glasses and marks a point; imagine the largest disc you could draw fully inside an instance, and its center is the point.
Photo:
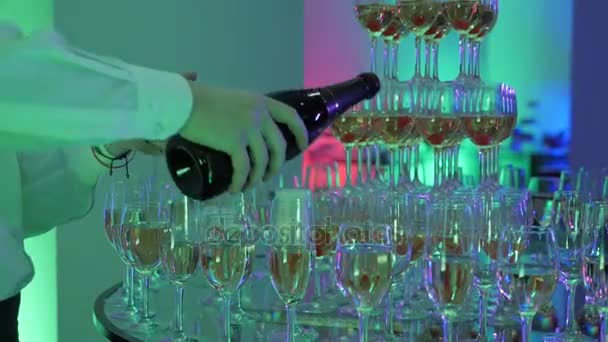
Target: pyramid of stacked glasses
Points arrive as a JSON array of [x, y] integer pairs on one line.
[[378, 256]]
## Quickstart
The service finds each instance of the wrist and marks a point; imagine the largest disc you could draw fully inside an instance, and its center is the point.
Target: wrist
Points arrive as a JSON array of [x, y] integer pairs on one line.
[[113, 150]]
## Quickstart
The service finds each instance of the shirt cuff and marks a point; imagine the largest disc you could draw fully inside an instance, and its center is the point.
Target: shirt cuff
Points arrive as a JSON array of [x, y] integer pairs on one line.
[[164, 102]]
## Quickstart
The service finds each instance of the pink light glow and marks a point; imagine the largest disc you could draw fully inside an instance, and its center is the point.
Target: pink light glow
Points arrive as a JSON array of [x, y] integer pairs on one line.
[[334, 50]]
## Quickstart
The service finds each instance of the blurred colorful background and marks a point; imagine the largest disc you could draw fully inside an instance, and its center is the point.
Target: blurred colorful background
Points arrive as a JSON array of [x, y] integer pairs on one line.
[[550, 51]]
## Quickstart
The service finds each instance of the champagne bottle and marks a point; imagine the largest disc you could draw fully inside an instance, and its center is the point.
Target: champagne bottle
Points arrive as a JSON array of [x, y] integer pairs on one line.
[[201, 172]]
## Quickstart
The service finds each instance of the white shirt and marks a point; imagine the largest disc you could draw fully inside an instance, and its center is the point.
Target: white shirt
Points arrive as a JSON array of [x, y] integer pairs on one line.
[[57, 101]]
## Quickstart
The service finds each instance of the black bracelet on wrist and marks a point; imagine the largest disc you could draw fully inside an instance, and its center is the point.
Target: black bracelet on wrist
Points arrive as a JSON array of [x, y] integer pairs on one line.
[[111, 162]]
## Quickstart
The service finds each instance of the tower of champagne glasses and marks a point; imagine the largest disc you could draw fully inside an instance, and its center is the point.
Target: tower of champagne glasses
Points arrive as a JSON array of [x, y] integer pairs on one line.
[[388, 255]]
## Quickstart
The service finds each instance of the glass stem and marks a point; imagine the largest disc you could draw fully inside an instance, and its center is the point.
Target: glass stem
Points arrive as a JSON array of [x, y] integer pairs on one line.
[[226, 300], [386, 56], [471, 61], [427, 59], [415, 161], [448, 331], [317, 279], [372, 54], [456, 157], [395, 62], [483, 313], [435, 53], [378, 162], [179, 311], [484, 156], [417, 48], [146, 297], [368, 162], [291, 322], [570, 306], [447, 172], [437, 166], [394, 155], [349, 166], [526, 326], [477, 60], [131, 299], [406, 156], [463, 56], [388, 315], [359, 179], [495, 165], [363, 323], [603, 324]]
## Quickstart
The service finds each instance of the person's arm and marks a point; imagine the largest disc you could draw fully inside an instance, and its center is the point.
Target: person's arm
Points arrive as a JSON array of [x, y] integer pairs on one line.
[[55, 95]]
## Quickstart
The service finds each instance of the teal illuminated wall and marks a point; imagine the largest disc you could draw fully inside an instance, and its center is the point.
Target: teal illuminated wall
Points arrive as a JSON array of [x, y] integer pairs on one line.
[[38, 318]]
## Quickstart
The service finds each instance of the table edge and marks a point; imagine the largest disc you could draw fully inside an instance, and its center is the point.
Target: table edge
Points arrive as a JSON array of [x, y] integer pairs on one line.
[[102, 324]]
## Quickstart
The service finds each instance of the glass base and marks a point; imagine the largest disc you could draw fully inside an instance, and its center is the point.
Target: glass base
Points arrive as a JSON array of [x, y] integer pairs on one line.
[[566, 337], [124, 315], [242, 317], [147, 326], [178, 337], [317, 307], [302, 334]]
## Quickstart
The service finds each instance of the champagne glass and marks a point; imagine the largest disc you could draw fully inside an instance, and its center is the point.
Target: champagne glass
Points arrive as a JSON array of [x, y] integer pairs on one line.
[[432, 37], [407, 216], [228, 249], [374, 16], [463, 15], [489, 115], [418, 17], [449, 252], [364, 263], [439, 123], [567, 222], [491, 223], [291, 254], [484, 21], [115, 201], [595, 250], [180, 254], [527, 271], [353, 130], [324, 236], [146, 217]]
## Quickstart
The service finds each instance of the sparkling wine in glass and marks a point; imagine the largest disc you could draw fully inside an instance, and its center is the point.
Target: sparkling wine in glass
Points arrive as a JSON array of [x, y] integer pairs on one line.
[[463, 16], [567, 220], [115, 201], [489, 115], [418, 17], [527, 271], [228, 249], [439, 123], [595, 266], [449, 254], [180, 255], [291, 252], [145, 219], [485, 21], [364, 266], [374, 16]]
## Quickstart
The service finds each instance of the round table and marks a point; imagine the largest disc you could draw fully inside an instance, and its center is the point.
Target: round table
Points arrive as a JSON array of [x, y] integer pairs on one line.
[[266, 317]]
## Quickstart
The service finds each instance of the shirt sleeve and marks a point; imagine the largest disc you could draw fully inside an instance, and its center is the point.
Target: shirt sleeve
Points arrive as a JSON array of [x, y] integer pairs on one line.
[[68, 174], [55, 94]]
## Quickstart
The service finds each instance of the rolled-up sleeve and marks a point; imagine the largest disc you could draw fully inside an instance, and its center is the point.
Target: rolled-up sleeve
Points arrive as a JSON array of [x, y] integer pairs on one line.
[[56, 94]]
